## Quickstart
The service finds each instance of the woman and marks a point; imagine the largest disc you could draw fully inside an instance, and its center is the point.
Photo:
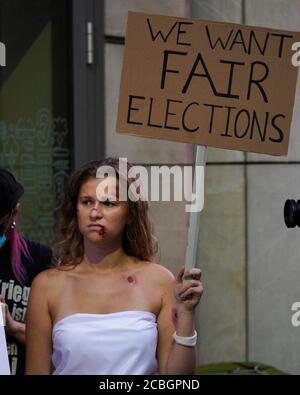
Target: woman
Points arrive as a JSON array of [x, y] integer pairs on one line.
[[20, 261], [107, 308]]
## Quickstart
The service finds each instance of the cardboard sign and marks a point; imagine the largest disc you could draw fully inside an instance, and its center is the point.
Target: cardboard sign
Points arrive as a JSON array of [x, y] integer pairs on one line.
[[208, 83]]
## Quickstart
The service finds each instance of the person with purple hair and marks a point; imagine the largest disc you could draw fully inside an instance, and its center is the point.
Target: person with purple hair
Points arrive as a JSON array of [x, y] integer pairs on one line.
[[20, 261]]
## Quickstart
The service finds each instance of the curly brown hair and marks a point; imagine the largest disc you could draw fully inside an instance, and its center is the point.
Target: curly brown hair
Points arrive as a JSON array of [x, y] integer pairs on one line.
[[138, 238]]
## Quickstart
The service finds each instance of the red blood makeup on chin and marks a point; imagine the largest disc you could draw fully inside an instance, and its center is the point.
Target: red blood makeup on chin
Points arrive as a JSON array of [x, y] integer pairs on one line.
[[101, 231]]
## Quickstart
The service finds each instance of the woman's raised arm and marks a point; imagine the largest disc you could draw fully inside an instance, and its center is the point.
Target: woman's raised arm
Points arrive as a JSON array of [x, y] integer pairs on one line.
[[179, 302]]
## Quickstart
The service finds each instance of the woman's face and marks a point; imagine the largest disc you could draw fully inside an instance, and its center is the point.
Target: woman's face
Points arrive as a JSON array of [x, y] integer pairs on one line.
[[100, 215]]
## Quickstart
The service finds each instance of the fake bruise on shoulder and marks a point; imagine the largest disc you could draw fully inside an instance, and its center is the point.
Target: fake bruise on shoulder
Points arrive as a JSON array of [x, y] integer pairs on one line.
[[208, 83]]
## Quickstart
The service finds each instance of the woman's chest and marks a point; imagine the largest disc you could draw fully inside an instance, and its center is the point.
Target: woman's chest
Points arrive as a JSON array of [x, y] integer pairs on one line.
[[108, 294]]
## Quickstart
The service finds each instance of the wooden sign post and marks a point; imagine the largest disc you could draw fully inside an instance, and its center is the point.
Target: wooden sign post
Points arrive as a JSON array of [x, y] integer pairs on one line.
[[194, 225]]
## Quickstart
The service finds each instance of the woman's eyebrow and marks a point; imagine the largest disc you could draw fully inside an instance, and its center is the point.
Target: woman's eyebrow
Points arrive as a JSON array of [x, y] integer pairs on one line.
[[86, 197]]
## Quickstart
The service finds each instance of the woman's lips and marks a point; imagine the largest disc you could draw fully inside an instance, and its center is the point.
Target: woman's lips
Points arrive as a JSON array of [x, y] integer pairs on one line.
[[98, 228]]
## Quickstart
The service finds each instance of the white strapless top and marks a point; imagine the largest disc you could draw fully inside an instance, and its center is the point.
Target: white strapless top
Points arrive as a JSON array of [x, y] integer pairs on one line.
[[105, 344]]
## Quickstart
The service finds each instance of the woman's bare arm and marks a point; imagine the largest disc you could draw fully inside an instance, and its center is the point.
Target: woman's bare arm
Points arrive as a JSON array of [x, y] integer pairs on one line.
[[177, 314], [38, 328]]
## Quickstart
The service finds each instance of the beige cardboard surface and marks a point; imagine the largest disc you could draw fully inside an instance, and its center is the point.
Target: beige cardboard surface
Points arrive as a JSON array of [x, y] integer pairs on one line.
[[208, 83]]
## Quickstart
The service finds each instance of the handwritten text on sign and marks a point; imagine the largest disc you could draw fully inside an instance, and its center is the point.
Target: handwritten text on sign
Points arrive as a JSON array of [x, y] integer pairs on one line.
[[217, 84]]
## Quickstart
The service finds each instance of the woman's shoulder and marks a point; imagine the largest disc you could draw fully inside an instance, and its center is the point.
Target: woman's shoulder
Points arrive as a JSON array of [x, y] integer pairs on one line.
[[49, 277], [159, 273]]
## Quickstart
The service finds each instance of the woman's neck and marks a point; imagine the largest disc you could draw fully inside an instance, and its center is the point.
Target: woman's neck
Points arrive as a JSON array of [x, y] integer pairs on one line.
[[106, 257]]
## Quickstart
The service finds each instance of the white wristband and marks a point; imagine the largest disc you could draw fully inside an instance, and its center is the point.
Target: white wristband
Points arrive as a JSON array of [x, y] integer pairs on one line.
[[186, 341]]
